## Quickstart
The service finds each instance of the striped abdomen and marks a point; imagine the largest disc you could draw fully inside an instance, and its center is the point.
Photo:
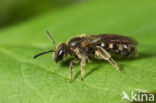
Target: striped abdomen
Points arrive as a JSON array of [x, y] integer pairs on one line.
[[118, 45]]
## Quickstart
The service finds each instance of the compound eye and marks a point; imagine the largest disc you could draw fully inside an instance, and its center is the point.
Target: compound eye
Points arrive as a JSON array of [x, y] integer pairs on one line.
[[59, 55], [61, 52]]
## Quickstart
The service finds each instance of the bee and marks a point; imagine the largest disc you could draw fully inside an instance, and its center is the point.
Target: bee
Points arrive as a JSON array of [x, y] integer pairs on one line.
[[85, 47]]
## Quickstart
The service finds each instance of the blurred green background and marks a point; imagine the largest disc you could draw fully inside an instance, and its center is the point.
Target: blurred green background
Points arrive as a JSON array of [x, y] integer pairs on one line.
[[22, 35], [13, 11]]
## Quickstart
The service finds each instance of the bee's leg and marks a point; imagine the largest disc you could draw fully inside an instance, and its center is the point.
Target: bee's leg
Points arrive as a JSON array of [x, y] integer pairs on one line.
[[83, 62], [111, 61], [102, 53], [71, 68], [89, 61]]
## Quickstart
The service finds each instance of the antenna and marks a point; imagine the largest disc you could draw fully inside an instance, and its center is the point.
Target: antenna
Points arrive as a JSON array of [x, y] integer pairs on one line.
[[43, 53], [49, 50], [51, 38]]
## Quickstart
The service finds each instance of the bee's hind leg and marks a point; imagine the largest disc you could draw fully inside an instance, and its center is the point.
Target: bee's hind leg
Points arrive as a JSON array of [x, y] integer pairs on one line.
[[102, 53], [71, 68]]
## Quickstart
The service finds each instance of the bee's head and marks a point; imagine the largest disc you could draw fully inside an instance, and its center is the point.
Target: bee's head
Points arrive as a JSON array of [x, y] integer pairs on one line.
[[61, 52]]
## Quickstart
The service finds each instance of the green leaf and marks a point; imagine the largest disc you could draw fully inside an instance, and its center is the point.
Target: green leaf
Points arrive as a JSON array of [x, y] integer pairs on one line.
[[25, 80]]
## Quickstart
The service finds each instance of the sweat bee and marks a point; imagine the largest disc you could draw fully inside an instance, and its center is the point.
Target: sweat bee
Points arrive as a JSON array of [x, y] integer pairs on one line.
[[86, 47]]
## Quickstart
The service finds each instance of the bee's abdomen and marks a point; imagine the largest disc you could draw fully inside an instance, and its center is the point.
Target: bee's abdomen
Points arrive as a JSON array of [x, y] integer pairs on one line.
[[126, 49]]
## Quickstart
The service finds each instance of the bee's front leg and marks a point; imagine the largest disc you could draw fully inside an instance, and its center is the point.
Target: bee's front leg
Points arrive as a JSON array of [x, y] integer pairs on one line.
[[71, 68]]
